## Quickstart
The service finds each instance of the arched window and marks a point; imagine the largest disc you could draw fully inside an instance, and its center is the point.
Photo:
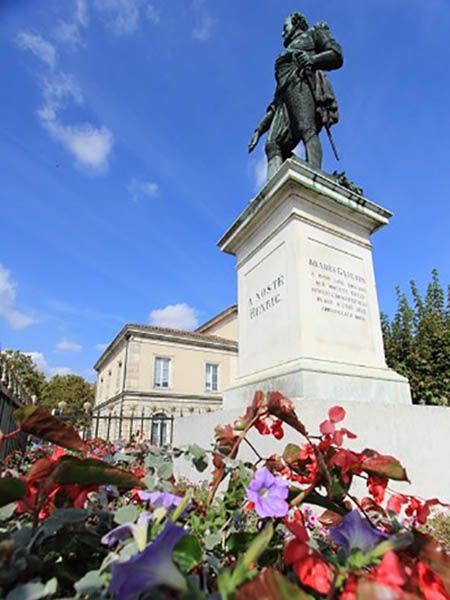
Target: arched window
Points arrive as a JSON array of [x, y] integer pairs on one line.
[[160, 429]]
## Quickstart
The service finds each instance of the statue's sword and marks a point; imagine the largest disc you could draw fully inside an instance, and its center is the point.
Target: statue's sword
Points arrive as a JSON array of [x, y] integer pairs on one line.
[[305, 73]]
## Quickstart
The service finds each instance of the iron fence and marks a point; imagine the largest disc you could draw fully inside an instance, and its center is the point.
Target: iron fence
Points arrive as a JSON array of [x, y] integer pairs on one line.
[[157, 428], [12, 396]]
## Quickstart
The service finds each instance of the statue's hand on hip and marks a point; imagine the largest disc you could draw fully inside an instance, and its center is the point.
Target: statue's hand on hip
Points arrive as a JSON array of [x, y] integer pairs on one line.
[[304, 60]]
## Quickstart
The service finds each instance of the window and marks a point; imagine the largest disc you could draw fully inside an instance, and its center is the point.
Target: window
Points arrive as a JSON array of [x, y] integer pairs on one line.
[[119, 373], [211, 377], [159, 431], [162, 372]]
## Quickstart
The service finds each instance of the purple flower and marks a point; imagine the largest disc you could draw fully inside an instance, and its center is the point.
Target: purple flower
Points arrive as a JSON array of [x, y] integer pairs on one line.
[[158, 499], [268, 493], [122, 532], [354, 531], [149, 568]]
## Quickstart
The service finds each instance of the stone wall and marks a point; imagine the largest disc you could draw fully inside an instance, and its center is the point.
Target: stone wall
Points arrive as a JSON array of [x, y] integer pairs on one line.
[[419, 436]]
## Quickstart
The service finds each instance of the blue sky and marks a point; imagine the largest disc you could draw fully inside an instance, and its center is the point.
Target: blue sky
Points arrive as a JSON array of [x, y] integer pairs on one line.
[[123, 154]]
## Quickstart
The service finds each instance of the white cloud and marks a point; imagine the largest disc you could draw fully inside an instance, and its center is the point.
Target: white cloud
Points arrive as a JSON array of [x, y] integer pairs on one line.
[[204, 22], [38, 46], [121, 16], [70, 32], [8, 291], [152, 14], [176, 316], [68, 346], [90, 145], [42, 365], [141, 189], [101, 347], [260, 172]]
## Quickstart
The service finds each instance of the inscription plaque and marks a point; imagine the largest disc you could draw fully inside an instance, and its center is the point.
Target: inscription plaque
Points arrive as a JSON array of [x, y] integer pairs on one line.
[[338, 291]]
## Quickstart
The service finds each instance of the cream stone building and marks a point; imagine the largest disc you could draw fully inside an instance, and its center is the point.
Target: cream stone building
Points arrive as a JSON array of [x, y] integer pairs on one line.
[[149, 371]]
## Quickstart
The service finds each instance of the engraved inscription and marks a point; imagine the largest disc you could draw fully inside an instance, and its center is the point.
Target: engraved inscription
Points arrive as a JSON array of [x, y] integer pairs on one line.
[[338, 291], [266, 298]]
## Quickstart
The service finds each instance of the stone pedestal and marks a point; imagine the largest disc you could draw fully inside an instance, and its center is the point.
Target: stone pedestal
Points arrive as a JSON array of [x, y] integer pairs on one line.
[[309, 321]]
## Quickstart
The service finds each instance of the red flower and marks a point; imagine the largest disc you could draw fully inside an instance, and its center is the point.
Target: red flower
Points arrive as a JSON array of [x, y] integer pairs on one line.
[[336, 414], [430, 584], [262, 427], [377, 487], [315, 573], [328, 429], [390, 571], [311, 569], [349, 591], [396, 502], [277, 429]]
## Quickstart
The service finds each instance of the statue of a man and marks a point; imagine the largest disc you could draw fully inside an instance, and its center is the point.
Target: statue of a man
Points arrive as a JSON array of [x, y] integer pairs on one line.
[[304, 101]]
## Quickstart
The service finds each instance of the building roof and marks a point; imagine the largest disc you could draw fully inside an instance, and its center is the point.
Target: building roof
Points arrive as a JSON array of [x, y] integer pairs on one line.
[[218, 318], [194, 338]]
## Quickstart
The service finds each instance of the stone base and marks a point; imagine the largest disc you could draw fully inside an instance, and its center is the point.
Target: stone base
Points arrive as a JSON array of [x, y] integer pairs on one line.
[[309, 321], [322, 381]]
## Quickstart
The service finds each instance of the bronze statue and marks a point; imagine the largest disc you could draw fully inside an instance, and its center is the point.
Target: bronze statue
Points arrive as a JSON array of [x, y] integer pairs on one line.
[[304, 100]]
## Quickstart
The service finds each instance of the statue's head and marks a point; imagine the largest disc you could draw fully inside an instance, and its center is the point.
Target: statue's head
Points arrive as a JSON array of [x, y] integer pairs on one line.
[[296, 22]]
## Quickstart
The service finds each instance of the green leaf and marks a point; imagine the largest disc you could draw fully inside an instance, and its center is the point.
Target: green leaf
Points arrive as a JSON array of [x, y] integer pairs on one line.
[[291, 453], [6, 512], [187, 553], [38, 421], [62, 517], [90, 471], [383, 465], [239, 541], [211, 540], [126, 514], [33, 590], [198, 457], [11, 489], [165, 470], [91, 582], [150, 482], [252, 554]]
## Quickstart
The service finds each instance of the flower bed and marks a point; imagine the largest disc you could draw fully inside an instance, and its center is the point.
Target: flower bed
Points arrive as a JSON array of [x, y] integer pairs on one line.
[[100, 520]]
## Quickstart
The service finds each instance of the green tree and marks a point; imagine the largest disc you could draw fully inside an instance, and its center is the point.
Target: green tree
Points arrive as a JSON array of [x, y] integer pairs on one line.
[[71, 389], [28, 374], [417, 342]]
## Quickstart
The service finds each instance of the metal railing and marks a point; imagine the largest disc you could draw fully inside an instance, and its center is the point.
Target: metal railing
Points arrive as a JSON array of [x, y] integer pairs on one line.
[[156, 428], [13, 395]]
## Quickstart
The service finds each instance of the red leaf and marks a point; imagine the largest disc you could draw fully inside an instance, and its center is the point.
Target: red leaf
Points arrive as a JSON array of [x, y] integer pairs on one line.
[[383, 465], [281, 407], [330, 518], [271, 585], [336, 414], [41, 469], [90, 471], [368, 590], [258, 406], [36, 420], [225, 438]]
